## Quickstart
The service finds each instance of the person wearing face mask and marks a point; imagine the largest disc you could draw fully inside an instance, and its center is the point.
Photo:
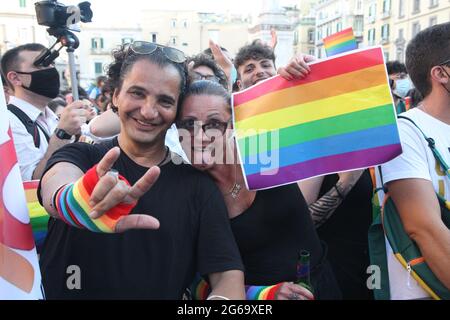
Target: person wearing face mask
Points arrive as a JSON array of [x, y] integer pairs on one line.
[[400, 84], [36, 130]]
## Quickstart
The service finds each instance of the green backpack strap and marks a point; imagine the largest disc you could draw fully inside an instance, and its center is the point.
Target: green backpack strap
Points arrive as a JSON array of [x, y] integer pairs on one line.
[[432, 146], [378, 257]]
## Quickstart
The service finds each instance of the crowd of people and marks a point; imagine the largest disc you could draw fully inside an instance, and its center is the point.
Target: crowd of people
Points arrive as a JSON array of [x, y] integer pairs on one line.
[[143, 200]]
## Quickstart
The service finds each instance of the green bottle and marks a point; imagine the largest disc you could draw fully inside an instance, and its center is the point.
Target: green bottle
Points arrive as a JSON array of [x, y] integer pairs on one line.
[[303, 270]]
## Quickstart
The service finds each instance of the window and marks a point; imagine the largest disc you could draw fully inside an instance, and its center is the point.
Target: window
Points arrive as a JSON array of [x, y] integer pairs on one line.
[[97, 43], [311, 51], [173, 23], [401, 34], [185, 24], [416, 6], [358, 26], [154, 38], [415, 28], [371, 37], [173, 41], [433, 21], [23, 3], [385, 32], [434, 3], [98, 67], [339, 27], [329, 31], [401, 8], [359, 5], [386, 8], [386, 56], [372, 12], [311, 35]]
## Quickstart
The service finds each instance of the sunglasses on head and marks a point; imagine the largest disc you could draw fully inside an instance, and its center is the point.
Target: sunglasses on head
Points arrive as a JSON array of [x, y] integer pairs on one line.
[[144, 47]]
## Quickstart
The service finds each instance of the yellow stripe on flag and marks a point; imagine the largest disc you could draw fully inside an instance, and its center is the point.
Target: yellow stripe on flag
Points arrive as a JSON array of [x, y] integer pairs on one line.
[[313, 91], [316, 110]]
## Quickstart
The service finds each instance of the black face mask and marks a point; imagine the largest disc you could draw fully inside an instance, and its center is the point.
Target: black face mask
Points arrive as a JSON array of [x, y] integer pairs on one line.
[[44, 82]]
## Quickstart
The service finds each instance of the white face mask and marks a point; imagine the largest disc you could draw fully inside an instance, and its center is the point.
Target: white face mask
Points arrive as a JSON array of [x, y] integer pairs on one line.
[[402, 86]]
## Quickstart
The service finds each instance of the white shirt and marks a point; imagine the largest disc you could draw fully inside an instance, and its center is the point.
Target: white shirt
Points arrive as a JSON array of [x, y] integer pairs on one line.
[[417, 162], [28, 155]]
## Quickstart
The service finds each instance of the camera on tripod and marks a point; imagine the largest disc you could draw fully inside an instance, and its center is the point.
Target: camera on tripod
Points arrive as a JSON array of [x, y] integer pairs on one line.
[[54, 14], [59, 19]]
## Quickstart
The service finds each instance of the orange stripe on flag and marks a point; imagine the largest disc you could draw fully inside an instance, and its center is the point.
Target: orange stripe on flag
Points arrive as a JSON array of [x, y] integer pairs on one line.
[[339, 35], [342, 84]]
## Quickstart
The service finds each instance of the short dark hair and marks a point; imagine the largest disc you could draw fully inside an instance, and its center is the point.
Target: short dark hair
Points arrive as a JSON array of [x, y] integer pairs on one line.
[[256, 51], [10, 60], [123, 62], [209, 88], [205, 60], [427, 49], [394, 67]]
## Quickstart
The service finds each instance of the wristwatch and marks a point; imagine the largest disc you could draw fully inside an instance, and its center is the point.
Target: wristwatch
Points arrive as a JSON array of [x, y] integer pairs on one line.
[[62, 134]]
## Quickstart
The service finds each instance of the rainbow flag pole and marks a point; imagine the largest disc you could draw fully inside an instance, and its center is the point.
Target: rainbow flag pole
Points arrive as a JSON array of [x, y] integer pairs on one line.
[[340, 42], [341, 117]]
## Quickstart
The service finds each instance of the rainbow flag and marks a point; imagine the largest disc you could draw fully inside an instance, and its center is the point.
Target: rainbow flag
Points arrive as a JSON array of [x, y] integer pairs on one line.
[[340, 117], [340, 42], [20, 276], [38, 216]]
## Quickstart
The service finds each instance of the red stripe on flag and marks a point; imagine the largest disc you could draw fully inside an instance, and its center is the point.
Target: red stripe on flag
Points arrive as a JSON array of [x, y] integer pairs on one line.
[[345, 32], [319, 71]]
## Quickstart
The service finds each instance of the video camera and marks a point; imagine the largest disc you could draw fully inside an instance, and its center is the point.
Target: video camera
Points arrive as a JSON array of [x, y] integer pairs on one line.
[[60, 18], [54, 14]]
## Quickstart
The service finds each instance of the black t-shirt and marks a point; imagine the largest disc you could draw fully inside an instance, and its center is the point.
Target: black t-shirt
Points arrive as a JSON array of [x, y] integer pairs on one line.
[[272, 232], [195, 236], [346, 234]]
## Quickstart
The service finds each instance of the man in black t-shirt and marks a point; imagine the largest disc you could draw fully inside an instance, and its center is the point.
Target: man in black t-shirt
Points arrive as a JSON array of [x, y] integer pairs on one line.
[[188, 212]]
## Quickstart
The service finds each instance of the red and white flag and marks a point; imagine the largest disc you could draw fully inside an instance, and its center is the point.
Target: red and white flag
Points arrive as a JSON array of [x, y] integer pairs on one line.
[[20, 277]]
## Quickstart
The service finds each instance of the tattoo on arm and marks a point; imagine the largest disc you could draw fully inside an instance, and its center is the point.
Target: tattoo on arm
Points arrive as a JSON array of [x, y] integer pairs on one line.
[[323, 208]]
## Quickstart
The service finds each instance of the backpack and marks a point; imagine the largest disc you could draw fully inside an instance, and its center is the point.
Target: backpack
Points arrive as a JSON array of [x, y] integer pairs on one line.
[[388, 225], [30, 125]]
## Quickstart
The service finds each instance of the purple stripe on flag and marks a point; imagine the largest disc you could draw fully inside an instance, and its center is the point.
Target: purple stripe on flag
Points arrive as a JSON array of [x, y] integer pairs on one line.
[[337, 163]]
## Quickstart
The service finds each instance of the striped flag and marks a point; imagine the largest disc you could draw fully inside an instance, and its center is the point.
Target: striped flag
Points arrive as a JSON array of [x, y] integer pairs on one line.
[[340, 42], [19, 269], [340, 117]]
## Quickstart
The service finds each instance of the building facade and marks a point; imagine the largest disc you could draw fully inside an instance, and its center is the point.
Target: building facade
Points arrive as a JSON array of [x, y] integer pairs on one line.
[[18, 25], [336, 15], [393, 23], [305, 29]]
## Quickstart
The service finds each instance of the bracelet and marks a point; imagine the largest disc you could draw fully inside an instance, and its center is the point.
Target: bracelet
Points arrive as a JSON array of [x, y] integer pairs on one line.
[[218, 297], [262, 292], [339, 192], [72, 205]]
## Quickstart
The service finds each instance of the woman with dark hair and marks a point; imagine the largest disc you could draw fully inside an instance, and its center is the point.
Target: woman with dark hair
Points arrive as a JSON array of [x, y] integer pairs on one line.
[[95, 193], [271, 227]]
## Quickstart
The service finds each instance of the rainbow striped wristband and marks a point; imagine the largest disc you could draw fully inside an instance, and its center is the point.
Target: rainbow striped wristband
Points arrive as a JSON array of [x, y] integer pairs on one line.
[[201, 290], [261, 292], [72, 205]]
